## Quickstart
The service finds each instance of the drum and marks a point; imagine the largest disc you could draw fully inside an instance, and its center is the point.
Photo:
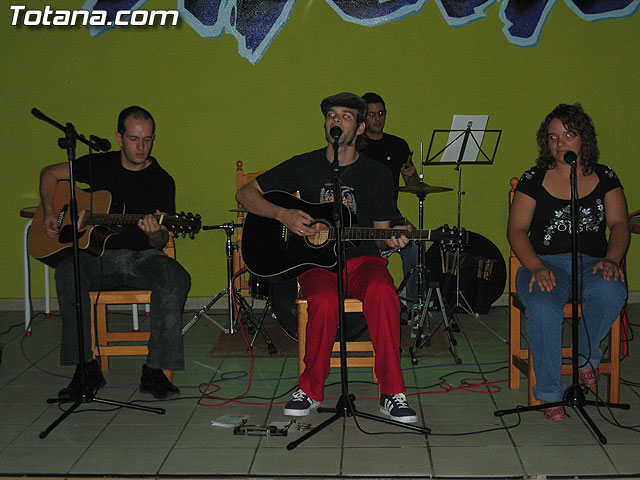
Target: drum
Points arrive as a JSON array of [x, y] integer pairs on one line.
[[283, 304], [258, 287], [483, 272]]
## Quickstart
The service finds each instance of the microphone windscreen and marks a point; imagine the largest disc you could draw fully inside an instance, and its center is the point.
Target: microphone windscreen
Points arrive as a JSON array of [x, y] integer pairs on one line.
[[570, 157]]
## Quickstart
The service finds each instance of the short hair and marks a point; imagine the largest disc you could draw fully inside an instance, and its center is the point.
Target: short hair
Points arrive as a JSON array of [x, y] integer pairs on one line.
[[574, 119], [135, 112], [371, 97]]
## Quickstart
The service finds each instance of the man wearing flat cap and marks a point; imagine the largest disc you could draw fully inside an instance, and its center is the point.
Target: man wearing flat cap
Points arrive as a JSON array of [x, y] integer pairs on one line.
[[368, 192]]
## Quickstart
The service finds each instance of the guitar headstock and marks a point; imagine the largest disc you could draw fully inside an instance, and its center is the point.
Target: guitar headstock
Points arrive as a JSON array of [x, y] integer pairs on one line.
[[183, 223], [453, 237]]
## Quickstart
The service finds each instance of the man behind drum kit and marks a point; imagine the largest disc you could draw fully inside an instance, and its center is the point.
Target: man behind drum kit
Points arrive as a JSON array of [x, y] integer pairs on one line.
[[394, 153], [368, 192]]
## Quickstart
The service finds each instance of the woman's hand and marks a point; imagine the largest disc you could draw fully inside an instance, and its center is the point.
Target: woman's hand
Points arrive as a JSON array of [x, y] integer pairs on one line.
[[544, 277], [610, 269]]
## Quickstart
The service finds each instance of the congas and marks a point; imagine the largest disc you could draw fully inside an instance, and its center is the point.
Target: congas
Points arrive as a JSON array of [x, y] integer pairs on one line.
[[283, 305], [483, 272], [258, 287]]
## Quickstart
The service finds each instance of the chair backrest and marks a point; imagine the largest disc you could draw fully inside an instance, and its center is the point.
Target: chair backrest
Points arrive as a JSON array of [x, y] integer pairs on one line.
[[242, 282], [514, 263]]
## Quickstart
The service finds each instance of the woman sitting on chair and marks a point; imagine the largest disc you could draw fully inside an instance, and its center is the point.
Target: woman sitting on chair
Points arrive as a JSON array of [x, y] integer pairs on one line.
[[539, 231]]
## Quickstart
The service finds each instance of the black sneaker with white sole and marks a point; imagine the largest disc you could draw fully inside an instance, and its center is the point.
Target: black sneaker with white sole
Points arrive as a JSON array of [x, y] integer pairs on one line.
[[397, 408], [300, 404]]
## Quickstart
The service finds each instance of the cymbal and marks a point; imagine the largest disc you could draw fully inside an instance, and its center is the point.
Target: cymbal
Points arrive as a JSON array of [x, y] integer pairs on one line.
[[424, 188], [243, 210]]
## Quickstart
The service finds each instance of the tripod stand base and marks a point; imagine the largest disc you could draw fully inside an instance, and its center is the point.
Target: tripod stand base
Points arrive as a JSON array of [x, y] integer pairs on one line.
[[345, 407], [420, 327], [574, 398], [88, 398]]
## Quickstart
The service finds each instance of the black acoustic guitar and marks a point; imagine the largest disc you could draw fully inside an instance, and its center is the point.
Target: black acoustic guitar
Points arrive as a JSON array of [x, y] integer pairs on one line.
[[269, 249]]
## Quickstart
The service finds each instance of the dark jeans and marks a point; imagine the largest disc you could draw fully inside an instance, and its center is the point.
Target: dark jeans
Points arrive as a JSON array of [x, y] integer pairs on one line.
[[121, 269]]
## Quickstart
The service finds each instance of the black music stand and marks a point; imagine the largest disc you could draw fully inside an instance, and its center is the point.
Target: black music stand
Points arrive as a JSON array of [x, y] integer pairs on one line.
[[69, 144], [465, 156]]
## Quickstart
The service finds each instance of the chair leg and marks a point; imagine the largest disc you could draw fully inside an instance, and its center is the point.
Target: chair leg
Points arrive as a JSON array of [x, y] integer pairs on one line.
[[514, 346], [303, 317], [532, 382], [614, 358]]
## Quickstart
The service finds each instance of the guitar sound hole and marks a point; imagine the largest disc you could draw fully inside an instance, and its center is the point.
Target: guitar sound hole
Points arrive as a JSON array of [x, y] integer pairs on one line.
[[321, 237], [66, 234]]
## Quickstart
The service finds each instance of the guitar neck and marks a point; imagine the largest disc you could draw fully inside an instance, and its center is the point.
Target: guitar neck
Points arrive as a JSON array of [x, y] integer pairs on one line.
[[356, 233], [117, 218]]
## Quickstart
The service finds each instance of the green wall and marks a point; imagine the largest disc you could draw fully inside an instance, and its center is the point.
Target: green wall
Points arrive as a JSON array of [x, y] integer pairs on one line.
[[214, 108]]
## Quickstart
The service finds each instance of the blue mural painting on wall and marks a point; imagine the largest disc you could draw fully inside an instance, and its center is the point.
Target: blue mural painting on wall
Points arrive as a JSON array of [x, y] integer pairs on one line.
[[256, 23]]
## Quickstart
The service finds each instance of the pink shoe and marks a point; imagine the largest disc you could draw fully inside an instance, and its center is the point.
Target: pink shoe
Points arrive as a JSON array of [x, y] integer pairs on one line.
[[554, 413], [589, 377]]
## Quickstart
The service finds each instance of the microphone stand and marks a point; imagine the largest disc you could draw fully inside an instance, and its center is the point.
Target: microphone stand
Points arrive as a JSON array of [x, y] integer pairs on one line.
[[345, 406], [574, 396], [69, 143]]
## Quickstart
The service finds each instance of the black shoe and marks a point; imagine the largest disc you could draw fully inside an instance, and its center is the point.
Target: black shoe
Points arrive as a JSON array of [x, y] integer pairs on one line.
[[93, 380], [397, 408], [300, 404], [155, 382]]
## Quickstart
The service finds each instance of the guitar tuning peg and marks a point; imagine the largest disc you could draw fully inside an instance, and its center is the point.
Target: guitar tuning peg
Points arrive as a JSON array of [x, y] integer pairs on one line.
[[189, 214]]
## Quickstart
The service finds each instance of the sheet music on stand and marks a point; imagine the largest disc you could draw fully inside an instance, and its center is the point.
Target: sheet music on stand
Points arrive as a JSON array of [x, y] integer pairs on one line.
[[464, 142]]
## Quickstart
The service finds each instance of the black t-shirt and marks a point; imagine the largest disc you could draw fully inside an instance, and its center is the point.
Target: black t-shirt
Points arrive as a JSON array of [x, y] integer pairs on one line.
[[367, 189], [143, 191], [550, 230], [390, 151]]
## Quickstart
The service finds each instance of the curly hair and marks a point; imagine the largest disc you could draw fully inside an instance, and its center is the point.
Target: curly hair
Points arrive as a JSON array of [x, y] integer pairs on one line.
[[574, 119]]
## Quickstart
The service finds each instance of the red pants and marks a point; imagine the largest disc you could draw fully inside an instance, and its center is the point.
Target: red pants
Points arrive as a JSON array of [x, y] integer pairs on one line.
[[368, 281]]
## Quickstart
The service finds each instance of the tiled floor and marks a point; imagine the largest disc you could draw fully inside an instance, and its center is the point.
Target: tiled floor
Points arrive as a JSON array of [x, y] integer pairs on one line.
[[466, 440]]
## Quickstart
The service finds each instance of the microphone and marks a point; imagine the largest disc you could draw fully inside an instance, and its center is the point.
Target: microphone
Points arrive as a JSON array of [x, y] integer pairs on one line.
[[101, 144], [335, 133], [570, 157]]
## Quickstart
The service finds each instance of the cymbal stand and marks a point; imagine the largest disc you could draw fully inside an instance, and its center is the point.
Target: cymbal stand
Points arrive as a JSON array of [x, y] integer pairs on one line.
[[421, 307], [229, 228]]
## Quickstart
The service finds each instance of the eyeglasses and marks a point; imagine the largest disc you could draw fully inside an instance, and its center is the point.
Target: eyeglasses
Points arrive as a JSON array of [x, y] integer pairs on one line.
[[567, 137], [381, 113]]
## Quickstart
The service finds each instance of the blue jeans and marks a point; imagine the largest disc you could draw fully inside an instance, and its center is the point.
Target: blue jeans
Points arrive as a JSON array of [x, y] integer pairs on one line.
[[116, 269], [602, 301]]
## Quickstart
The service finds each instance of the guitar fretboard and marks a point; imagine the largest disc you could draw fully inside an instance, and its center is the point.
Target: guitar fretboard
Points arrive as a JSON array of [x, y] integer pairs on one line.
[[355, 233], [117, 218]]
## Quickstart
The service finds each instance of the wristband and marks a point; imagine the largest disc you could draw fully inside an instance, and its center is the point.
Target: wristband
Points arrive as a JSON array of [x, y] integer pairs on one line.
[[614, 260]]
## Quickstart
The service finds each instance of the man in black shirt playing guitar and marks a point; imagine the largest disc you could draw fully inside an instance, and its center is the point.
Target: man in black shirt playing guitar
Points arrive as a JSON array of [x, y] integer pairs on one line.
[[131, 259], [368, 194]]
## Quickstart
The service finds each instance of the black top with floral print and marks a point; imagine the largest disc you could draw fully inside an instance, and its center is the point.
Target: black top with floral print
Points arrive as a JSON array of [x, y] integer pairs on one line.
[[550, 230]]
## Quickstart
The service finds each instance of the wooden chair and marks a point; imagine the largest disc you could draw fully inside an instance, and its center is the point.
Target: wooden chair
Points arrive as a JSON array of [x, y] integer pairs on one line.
[[350, 305], [243, 281], [102, 341], [520, 361]]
